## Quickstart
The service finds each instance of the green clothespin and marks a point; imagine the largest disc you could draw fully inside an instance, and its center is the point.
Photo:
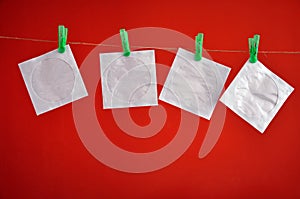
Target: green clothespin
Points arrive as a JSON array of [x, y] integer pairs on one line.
[[253, 48], [125, 42], [62, 38], [199, 44]]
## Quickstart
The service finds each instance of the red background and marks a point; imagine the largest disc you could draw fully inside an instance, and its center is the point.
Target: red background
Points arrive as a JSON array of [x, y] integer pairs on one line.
[[43, 157]]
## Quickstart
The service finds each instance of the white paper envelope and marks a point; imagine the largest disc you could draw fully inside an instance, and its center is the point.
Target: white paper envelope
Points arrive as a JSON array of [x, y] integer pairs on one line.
[[256, 94], [194, 86], [128, 81], [52, 80]]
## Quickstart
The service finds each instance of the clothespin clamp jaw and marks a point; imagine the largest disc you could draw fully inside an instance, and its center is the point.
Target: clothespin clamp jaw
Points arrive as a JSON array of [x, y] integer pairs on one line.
[[199, 46], [253, 48], [125, 42], [62, 38]]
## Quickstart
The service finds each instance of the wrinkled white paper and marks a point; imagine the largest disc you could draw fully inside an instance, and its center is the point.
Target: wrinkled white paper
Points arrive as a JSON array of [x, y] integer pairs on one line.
[[256, 94], [194, 86], [52, 80], [128, 81]]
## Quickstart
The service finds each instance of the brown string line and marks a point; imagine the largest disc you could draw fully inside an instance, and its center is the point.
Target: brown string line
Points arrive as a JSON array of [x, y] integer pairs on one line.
[[95, 44]]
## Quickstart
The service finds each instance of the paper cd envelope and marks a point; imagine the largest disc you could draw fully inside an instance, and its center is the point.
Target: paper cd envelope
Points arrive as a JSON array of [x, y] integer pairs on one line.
[[256, 94], [128, 81], [52, 80], [194, 86]]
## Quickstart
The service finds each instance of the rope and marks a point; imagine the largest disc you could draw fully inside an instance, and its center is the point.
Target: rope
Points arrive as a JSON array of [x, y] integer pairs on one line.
[[95, 44]]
